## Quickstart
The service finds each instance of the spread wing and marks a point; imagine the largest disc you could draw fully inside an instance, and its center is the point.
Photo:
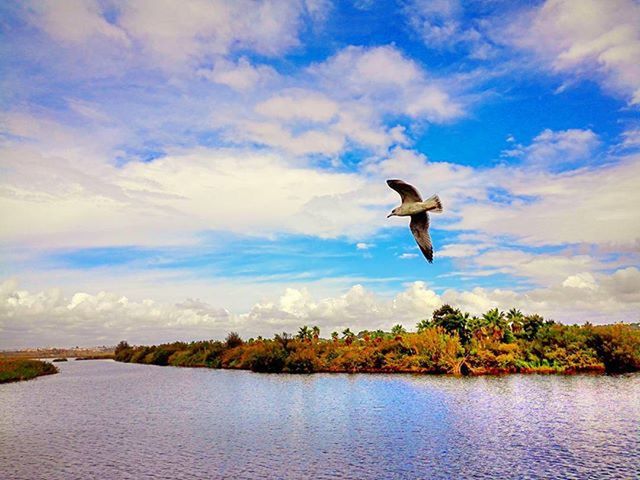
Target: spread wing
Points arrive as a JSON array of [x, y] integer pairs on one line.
[[420, 228], [407, 192]]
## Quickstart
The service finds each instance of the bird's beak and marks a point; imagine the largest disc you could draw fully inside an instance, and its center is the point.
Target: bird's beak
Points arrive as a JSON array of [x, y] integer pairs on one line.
[[390, 215]]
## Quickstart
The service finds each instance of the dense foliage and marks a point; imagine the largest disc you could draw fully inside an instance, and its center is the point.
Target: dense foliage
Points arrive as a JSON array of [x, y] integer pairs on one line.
[[19, 369], [450, 342]]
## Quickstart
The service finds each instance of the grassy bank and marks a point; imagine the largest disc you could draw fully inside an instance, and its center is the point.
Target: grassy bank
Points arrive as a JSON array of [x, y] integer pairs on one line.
[[450, 342], [16, 370]]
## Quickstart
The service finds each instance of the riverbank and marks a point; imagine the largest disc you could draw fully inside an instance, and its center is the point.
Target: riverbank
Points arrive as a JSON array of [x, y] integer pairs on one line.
[[451, 343], [19, 369]]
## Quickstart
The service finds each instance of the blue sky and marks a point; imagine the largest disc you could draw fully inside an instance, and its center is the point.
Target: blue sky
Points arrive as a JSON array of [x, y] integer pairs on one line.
[[178, 171]]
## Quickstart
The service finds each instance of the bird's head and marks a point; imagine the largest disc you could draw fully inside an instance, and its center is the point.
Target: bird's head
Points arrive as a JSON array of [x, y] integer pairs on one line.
[[393, 212]]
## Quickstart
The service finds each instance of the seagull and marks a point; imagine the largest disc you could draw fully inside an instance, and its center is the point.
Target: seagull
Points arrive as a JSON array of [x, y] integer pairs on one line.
[[413, 206]]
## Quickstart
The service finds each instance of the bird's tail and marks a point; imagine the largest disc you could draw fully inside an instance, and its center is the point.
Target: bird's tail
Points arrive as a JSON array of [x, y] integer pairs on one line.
[[433, 204]]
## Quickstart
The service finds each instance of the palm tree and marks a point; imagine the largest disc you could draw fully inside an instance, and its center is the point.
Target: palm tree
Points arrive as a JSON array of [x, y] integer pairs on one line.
[[530, 326], [348, 335], [422, 325], [496, 322], [334, 336], [398, 329], [316, 332], [477, 327], [283, 339], [462, 321], [304, 333], [515, 318]]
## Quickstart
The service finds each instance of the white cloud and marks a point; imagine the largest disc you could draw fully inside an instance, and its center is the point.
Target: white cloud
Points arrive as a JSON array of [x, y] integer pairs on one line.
[[541, 268], [557, 148], [392, 82], [579, 206], [441, 25], [458, 250], [171, 199], [407, 256], [299, 104], [240, 75], [75, 21], [346, 100], [170, 35], [586, 38], [631, 138], [363, 246], [581, 280], [26, 319]]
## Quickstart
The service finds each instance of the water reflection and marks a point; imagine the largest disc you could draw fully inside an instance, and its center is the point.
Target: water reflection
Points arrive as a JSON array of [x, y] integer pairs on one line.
[[101, 419]]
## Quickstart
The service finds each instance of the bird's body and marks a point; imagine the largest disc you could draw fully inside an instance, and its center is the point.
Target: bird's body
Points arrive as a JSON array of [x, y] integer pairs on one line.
[[416, 208]]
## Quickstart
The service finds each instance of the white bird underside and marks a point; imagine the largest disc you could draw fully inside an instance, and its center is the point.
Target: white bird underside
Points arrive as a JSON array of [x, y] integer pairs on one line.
[[412, 205]]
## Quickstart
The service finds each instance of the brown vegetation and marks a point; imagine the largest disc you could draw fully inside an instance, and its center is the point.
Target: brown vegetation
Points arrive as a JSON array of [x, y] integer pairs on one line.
[[19, 369], [450, 342]]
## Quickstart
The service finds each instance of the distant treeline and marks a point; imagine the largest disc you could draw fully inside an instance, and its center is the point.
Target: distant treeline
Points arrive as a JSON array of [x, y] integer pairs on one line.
[[450, 342]]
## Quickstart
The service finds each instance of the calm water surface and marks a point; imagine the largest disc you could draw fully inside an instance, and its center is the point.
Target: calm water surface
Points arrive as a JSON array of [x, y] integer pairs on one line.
[[102, 419]]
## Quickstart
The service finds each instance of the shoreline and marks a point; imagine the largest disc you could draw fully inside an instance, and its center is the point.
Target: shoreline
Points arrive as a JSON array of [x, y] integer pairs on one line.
[[546, 348], [18, 370], [592, 371]]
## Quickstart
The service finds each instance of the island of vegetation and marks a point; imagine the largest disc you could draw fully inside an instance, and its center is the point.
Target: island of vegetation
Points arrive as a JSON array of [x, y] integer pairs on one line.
[[451, 342], [14, 370]]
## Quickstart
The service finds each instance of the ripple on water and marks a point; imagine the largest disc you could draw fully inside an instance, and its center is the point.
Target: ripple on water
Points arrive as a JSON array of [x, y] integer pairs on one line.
[[105, 420]]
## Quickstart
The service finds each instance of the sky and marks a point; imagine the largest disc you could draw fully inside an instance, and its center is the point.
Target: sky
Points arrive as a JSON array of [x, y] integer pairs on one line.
[[179, 170]]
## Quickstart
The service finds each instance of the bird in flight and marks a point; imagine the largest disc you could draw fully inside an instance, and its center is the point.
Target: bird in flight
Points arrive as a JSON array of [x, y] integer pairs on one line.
[[413, 206]]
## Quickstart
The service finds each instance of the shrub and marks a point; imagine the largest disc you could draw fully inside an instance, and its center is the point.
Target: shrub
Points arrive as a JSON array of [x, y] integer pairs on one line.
[[618, 346]]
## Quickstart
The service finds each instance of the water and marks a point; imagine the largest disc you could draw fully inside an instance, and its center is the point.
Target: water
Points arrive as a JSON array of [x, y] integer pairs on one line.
[[107, 420]]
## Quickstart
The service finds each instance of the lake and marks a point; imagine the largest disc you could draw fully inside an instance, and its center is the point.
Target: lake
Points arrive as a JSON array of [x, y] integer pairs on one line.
[[108, 420]]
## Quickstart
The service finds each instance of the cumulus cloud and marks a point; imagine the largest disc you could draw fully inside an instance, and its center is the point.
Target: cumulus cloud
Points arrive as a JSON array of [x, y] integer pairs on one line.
[[558, 148], [299, 105], [586, 39], [26, 318], [347, 100], [240, 75], [394, 82]]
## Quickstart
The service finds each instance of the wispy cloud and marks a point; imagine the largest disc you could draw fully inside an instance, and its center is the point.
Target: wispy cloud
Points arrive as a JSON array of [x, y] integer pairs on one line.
[[586, 39]]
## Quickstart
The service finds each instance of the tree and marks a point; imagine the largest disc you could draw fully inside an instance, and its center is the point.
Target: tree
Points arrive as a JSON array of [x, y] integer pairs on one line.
[[453, 321], [496, 323], [460, 323], [531, 324], [515, 318], [422, 325], [304, 333], [283, 340], [335, 336], [348, 336], [123, 345], [233, 340], [398, 329], [440, 314], [316, 332]]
